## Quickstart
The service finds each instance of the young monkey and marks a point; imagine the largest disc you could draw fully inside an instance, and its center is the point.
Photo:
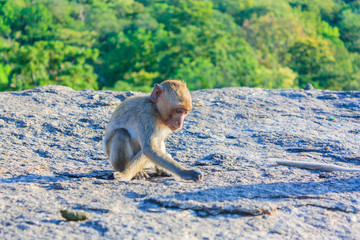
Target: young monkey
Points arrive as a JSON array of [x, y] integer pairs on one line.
[[138, 128]]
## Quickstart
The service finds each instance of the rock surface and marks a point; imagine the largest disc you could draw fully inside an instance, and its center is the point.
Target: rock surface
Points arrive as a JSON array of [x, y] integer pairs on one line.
[[51, 158]]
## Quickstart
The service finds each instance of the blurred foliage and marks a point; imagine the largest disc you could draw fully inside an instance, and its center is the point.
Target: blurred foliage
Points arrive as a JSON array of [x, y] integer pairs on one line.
[[131, 45]]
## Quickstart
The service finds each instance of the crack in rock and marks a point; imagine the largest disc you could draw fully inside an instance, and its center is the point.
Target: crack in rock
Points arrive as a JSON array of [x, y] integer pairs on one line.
[[202, 210], [106, 174], [345, 209]]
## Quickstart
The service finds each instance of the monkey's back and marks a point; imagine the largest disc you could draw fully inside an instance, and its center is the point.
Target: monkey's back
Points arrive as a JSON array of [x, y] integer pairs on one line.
[[130, 113]]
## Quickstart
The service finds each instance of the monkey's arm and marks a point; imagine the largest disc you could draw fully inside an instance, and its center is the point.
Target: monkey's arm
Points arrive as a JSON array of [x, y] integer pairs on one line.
[[315, 166], [152, 133], [167, 162]]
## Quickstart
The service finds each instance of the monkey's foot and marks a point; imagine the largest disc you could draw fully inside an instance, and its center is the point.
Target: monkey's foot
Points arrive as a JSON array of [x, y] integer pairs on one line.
[[141, 175], [121, 176]]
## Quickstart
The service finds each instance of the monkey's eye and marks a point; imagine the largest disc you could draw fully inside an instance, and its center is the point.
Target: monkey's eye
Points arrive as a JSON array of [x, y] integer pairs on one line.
[[179, 111]]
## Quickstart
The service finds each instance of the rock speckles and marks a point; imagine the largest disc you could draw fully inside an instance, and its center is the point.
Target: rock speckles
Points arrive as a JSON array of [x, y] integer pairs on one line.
[[51, 158]]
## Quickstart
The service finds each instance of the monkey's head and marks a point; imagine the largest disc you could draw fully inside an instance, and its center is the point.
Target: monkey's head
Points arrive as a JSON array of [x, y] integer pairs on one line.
[[173, 101]]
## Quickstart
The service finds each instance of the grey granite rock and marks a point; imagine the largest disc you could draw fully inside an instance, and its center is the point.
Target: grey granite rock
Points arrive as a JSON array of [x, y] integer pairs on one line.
[[51, 158]]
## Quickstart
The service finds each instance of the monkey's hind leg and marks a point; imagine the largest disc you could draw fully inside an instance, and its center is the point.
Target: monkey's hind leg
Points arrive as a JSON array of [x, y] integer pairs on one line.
[[119, 149], [123, 157], [134, 169]]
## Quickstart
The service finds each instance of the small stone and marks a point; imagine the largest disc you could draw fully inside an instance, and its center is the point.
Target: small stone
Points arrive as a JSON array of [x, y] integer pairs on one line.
[[96, 97], [113, 103], [328, 97], [24, 124], [74, 216], [198, 103], [308, 87], [2, 123]]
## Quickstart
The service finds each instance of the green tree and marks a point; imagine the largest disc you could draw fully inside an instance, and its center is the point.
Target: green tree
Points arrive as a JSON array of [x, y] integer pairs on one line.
[[50, 63], [132, 44], [308, 57], [349, 28], [35, 23]]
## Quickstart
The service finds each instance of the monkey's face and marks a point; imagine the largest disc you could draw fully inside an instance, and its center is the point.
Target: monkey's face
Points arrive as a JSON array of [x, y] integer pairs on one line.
[[176, 118], [173, 102], [174, 110]]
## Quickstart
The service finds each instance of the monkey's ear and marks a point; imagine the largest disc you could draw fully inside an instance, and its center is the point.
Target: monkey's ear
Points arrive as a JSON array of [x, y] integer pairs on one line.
[[156, 93]]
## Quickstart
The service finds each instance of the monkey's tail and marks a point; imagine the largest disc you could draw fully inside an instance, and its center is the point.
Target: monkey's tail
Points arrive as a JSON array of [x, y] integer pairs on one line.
[[315, 166]]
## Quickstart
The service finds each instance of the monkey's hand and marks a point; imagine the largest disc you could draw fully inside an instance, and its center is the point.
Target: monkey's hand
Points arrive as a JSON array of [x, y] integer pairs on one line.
[[194, 175]]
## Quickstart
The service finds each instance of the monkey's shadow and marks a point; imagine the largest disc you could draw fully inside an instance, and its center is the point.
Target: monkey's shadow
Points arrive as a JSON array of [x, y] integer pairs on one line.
[[254, 195], [59, 177], [65, 176], [273, 190]]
